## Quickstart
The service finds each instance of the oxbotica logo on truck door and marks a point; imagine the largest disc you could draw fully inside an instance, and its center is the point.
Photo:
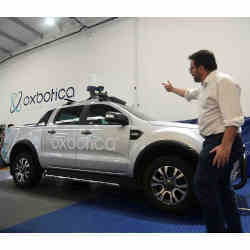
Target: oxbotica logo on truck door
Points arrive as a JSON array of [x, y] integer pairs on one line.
[[18, 100]]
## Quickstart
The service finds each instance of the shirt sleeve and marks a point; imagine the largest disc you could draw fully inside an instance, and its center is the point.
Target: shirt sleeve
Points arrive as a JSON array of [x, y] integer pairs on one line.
[[229, 103], [192, 94]]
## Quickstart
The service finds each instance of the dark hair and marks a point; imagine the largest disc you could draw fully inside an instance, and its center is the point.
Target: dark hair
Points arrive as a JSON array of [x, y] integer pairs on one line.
[[10, 125], [205, 58]]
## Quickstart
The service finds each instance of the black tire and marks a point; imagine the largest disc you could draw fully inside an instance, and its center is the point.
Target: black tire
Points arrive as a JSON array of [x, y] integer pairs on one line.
[[26, 171], [174, 186], [132, 187]]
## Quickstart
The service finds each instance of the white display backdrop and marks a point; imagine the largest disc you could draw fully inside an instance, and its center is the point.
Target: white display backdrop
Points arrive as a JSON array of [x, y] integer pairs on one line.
[[164, 45], [125, 53], [105, 54]]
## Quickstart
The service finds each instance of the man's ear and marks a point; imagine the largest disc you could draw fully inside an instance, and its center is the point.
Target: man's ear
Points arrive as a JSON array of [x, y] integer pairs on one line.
[[202, 69]]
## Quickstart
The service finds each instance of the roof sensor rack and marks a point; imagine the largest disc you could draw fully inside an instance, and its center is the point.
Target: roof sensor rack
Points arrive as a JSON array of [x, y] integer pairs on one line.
[[69, 101], [98, 93]]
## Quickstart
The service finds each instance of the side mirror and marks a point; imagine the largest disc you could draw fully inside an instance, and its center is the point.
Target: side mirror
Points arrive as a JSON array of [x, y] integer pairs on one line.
[[116, 118]]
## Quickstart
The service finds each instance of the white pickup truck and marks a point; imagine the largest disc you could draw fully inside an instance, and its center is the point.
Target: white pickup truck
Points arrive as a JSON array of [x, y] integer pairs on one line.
[[103, 140]]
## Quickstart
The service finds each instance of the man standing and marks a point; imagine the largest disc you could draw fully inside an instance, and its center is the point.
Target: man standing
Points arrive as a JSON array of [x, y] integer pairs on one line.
[[220, 119]]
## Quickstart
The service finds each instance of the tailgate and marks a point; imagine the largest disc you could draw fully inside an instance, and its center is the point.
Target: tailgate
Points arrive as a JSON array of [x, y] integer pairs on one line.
[[9, 139]]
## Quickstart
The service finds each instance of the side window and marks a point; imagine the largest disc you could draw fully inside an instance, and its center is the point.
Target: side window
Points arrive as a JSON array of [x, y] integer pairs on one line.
[[96, 115], [44, 120], [69, 116]]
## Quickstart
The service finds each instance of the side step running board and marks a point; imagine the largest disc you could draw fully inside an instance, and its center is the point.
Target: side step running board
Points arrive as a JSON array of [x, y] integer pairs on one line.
[[82, 180], [88, 177]]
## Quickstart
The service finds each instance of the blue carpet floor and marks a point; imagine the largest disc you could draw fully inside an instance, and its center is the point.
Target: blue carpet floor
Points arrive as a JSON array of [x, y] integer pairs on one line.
[[115, 211]]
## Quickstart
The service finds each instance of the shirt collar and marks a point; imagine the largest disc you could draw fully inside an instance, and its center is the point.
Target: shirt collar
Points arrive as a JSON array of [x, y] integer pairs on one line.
[[209, 78]]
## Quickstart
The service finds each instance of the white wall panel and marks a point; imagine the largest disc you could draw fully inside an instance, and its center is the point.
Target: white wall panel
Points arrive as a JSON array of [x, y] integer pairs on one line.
[[164, 45], [107, 53], [130, 52]]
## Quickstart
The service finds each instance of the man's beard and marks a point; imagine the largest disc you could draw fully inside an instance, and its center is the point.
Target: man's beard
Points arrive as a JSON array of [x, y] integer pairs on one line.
[[197, 78]]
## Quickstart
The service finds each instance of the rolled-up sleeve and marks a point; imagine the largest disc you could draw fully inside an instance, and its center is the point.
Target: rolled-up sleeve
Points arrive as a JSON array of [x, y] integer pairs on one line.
[[229, 103], [192, 94]]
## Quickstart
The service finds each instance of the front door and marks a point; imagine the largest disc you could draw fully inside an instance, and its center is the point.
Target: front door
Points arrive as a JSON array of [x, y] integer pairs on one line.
[[103, 146]]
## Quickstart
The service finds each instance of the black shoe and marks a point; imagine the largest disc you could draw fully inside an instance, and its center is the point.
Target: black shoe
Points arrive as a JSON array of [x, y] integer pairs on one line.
[[231, 231]]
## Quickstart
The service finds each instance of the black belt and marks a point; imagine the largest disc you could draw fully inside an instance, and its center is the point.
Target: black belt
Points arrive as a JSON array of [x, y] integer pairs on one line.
[[213, 136]]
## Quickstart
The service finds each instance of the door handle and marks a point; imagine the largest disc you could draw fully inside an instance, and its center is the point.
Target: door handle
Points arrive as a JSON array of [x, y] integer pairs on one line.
[[52, 132], [86, 132]]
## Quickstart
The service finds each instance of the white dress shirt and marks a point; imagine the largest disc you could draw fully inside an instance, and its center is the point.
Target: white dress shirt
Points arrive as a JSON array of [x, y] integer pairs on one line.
[[219, 103]]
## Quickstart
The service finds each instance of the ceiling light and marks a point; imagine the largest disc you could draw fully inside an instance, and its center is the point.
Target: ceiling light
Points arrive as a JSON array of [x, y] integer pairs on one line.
[[50, 21]]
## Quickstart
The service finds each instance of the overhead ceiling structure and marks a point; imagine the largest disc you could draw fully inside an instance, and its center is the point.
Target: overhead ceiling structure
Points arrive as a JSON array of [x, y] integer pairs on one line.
[[19, 35]]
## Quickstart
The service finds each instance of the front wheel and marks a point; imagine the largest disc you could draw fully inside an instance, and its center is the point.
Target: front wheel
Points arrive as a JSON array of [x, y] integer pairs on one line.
[[26, 173], [167, 183]]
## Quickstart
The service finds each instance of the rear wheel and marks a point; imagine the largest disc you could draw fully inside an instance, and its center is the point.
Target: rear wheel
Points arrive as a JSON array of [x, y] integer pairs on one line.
[[168, 184], [26, 172]]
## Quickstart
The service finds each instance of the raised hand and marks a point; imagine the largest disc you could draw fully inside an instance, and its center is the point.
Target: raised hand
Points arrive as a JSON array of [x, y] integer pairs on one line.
[[168, 86]]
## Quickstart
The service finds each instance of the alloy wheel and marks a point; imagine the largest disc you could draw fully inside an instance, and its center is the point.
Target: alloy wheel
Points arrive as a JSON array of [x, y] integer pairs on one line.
[[169, 185], [22, 170]]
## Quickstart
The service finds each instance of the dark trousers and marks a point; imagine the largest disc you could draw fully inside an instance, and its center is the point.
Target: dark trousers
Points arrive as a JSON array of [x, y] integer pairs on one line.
[[213, 188]]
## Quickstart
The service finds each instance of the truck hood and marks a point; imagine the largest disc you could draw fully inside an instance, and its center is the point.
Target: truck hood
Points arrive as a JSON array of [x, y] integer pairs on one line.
[[174, 124]]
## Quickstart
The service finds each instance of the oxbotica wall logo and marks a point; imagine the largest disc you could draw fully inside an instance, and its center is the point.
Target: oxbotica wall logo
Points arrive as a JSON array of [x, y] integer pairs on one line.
[[19, 100], [15, 101]]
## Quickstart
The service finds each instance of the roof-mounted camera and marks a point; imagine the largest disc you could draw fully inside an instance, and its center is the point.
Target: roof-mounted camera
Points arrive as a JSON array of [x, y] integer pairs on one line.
[[95, 91]]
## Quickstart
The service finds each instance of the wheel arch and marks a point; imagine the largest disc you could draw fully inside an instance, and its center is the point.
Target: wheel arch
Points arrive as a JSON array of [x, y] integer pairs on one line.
[[161, 148], [23, 146]]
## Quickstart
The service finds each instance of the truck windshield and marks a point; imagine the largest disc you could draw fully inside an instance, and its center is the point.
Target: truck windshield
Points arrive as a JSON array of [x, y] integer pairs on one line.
[[45, 118], [138, 113]]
